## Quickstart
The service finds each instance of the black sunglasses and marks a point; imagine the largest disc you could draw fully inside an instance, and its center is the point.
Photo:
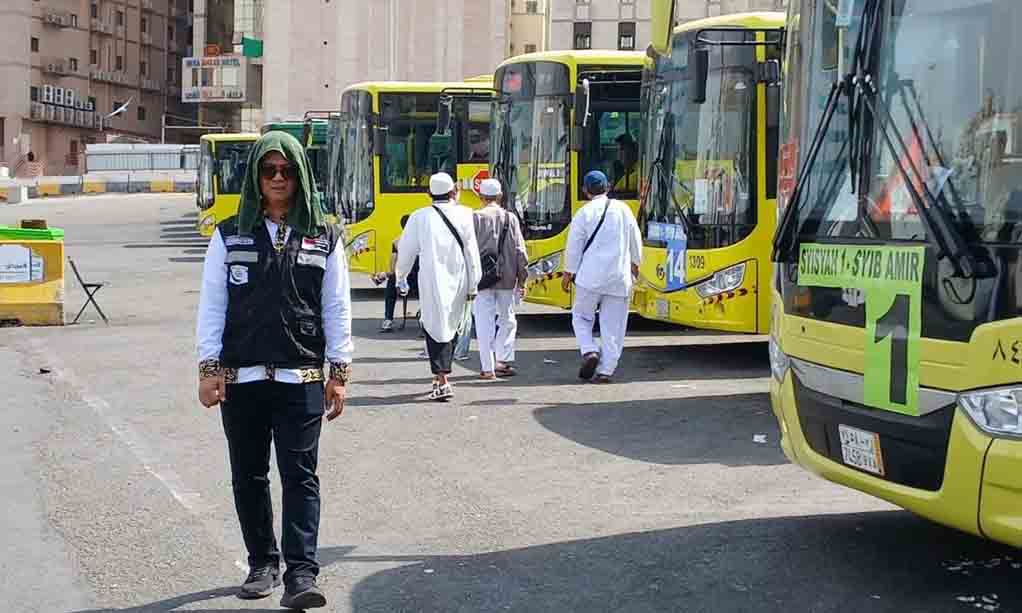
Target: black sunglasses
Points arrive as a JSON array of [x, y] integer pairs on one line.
[[270, 171]]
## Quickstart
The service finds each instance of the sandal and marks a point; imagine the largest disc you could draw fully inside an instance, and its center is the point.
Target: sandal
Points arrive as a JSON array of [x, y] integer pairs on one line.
[[441, 393], [505, 370], [602, 379], [487, 376]]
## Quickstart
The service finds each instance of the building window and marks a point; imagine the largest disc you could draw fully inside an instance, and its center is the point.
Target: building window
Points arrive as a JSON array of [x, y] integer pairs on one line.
[[73, 147], [94, 10], [530, 48], [93, 57], [583, 35], [581, 1], [170, 35], [92, 102], [626, 36], [532, 7], [119, 63], [627, 1], [116, 105], [120, 18], [35, 45], [143, 67], [33, 93], [73, 63], [74, 20], [171, 75], [141, 113], [145, 24]]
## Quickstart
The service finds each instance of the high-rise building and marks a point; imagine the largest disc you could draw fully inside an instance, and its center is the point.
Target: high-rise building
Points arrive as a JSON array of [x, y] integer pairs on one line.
[[529, 27], [625, 24], [69, 66], [309, 51]]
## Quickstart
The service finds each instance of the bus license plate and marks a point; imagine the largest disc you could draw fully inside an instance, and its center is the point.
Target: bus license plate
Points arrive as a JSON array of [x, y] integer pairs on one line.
[[861, 449], [663, 308]]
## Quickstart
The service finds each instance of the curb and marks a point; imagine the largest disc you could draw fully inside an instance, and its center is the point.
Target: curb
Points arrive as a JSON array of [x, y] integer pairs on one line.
[[156, 186]]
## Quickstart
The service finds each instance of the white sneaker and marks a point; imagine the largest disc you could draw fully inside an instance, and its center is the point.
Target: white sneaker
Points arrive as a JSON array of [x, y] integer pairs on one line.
[[387, 325]]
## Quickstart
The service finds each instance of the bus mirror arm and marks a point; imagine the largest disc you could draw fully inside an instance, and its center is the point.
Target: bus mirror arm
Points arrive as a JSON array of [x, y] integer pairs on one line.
[[379, 140], [443, 116], [583, 101], [770, 73]]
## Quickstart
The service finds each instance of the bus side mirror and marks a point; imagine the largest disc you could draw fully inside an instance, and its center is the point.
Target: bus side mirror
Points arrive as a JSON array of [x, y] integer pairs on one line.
[[582, 102], [443, 116], [662, 24], [699, 64]]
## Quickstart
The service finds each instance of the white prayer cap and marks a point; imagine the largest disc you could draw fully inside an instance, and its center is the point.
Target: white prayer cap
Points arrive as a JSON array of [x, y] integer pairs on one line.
[[441, 184], [490, 187]]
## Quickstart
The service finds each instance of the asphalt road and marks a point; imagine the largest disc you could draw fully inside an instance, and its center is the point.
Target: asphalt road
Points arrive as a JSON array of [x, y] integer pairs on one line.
[[532, 494]]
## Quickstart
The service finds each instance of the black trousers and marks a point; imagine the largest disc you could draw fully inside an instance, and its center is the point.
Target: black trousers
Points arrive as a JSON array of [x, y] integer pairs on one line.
[[390, 293], [290, 415], [441, 355]]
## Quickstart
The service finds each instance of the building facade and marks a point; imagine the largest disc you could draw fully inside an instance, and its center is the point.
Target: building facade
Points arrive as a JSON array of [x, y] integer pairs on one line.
[[625, 24], [529, 26], [68, 66], [313, 49]]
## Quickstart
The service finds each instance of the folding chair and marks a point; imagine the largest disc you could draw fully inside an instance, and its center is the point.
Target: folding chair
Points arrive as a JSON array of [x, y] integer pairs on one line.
[[90, 292]]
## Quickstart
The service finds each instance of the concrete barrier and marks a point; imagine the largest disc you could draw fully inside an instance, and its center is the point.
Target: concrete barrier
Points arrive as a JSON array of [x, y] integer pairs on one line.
[[149, 182]]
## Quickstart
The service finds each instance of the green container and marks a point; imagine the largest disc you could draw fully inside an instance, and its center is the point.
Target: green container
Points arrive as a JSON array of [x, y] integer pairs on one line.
[[8, 233]]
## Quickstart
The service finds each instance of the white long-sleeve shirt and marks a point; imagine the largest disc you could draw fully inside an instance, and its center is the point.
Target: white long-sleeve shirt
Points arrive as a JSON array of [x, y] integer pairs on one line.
[[606, 267], [336, 309], [446, 274]]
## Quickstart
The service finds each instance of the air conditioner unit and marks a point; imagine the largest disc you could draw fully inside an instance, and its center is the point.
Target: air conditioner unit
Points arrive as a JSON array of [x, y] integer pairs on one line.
[[79, 118], [69, 115], [37, 111], [58, 96], [50, 112], [70, 97], [48, 94]]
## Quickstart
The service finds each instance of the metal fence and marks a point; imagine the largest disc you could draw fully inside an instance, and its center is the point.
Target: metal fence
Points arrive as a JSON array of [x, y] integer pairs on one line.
[[141, 158]]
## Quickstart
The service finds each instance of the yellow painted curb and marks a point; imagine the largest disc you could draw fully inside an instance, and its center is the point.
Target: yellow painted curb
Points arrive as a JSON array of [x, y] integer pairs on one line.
[[48, 189], [94, 187]]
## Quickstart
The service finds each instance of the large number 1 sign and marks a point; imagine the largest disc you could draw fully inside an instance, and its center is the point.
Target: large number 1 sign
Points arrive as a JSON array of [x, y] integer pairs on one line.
[[891, 279]]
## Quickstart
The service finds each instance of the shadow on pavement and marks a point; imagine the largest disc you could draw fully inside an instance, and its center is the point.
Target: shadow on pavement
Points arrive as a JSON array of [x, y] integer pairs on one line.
[[881, 561], [698, 430], [327, 556]]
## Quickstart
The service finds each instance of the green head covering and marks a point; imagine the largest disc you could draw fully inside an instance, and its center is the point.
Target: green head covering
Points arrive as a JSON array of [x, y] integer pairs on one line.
[[304, 216]]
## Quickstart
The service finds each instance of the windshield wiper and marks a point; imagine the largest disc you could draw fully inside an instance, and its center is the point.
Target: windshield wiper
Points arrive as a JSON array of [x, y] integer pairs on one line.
[[860, 88], [667, 182]]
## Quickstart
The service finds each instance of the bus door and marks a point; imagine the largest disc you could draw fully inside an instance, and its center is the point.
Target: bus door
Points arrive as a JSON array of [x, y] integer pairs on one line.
[[469, 134]]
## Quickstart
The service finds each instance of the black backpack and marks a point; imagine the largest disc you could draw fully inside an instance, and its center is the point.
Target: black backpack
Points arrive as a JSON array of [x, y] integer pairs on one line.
[[491, 262]]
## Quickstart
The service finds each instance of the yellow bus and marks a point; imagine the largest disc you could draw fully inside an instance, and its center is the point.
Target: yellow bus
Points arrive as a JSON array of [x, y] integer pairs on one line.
[[896, 344], [223, 161], [393, 136], [711, 103], [558, 115]]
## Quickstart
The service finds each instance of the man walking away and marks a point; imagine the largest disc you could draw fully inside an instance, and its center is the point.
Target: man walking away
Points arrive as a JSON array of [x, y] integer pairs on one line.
[[603, 256], [505, 269], [275, 306], [443, 237]]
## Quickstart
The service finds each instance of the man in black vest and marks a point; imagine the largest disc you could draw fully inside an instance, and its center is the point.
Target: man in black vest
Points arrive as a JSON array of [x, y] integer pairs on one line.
[[275, 307]]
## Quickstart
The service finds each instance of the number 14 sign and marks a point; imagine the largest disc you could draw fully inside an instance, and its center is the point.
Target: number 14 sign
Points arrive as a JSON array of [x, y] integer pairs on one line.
[[891, 279]]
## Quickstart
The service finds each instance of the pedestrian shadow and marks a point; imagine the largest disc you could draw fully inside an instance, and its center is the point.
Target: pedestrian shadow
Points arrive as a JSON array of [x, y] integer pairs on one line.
[[639, 364], [327, 557], [886, 561], [674, 431]]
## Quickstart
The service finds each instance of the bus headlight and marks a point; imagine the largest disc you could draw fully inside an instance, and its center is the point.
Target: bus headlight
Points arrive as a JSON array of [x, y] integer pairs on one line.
[[779, 361], [722, 281], [545, 266], [359, 244], [995, 411], [206, 224]]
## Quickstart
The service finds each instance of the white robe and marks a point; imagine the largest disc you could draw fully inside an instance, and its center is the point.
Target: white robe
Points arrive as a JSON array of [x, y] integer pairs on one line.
[[446, 275], [606, 268]]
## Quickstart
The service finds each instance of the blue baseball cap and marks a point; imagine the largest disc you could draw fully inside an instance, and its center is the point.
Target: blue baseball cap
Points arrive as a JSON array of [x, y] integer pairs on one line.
[[595, 180]]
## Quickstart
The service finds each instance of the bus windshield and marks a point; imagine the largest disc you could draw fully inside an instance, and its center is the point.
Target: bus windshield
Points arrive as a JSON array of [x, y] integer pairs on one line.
[[699, 156], [530, 145], [231, 164], [353, 183], [946, 78]]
